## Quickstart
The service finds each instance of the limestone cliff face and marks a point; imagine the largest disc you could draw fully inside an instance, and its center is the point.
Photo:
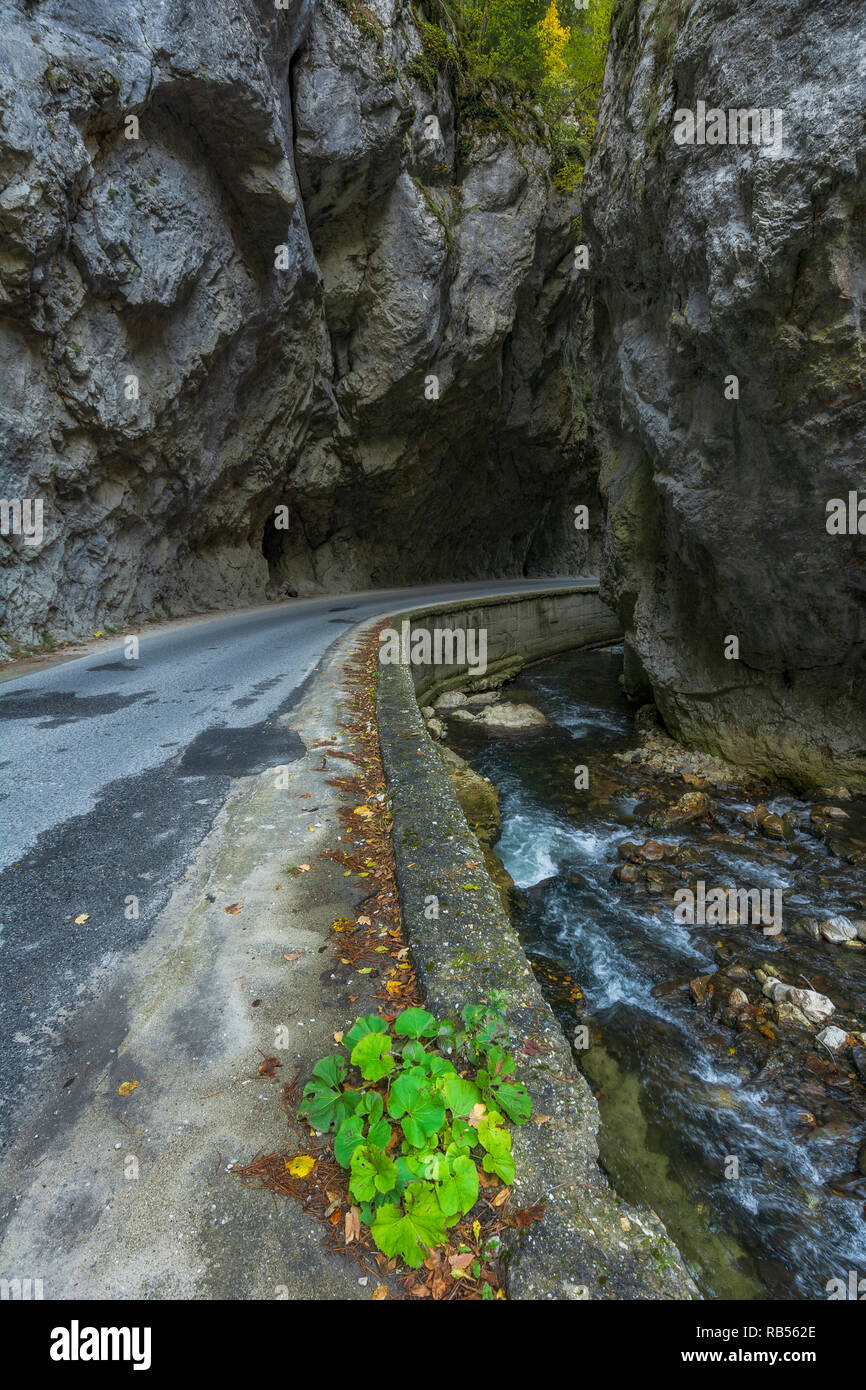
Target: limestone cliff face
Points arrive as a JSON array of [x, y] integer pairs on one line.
[[411, 251], [750, 261]]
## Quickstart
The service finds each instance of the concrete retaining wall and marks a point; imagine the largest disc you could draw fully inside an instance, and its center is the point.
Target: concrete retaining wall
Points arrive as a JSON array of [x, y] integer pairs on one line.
[[581, 1249], [519, 628]]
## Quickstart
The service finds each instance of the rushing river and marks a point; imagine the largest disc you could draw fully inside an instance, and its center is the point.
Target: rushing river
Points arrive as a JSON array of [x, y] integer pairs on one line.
[[745, 1142]]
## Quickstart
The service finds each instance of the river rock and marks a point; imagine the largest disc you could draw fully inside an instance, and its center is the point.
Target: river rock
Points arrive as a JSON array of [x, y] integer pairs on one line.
[[789, 1013], [701, 987], [484, 697], [833, 1038], [435, 727], [738, 999], [652, 851], [837, 930], [774, 989], [452, 699], [814, 1006], [693, 806], [511, 716], [627, 849]]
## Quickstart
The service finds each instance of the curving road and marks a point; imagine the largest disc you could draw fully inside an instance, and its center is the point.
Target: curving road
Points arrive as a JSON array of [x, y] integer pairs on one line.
[[114, 771]]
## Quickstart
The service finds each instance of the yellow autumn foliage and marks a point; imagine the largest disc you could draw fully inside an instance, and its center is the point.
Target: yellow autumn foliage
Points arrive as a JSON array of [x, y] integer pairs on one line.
[[554, 41]]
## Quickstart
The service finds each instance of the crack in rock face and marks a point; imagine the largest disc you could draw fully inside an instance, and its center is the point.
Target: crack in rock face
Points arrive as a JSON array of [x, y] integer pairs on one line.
[[747, 261], [241, 272]]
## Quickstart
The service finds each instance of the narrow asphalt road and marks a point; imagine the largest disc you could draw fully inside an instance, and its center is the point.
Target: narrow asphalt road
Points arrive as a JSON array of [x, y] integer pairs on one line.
[[114, 771]]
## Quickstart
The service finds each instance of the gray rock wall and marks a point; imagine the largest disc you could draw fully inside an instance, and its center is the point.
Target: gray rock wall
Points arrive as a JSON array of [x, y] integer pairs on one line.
[[718, 260], [305, 386]]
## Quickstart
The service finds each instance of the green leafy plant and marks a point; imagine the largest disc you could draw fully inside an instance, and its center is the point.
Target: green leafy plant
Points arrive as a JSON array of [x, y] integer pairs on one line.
[[415, 1110]]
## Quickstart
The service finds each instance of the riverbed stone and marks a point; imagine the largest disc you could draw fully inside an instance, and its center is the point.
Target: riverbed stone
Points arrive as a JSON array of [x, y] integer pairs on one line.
[[693, 806], [452, 699], [837, 930], [833, 1038], [511, 716], [815, 1006], [789, 1013], [701, 987]]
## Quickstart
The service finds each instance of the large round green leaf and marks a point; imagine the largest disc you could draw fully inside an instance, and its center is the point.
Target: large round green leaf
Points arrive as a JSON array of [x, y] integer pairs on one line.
[[422, 1227], [372, 1054], [372, 1172], [415, 1023], [370, 1023]]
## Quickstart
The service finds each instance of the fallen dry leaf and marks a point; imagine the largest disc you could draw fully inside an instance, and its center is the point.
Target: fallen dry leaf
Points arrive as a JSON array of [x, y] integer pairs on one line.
[[527, 1216], [269, 1066], [301, 1166], [352, 1225], [502, 1197], [364, 922], [363, 811], [380, 1292], [234, 907]]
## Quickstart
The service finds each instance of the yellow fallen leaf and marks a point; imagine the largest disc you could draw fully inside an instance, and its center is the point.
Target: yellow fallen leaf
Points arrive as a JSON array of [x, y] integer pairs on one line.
[[338, 1037], [393, 986], [476, 1229], [363, 811], [380, 1292], [126, 1088], [301, 1166], [85, 917]]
